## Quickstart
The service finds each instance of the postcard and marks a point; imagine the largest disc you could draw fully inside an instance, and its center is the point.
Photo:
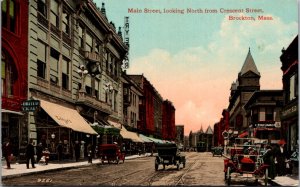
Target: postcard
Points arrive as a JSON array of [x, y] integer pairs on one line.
[[150, 93]]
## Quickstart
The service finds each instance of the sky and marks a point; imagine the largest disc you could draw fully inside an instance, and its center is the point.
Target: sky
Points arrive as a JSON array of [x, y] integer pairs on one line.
[[193, 58]]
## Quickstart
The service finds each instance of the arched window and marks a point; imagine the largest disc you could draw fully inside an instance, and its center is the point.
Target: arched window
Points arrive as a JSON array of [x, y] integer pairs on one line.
[[8, 75]]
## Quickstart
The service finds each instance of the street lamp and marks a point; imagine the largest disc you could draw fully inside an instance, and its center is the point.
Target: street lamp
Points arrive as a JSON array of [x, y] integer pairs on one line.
[[53, 136], [82, 72]]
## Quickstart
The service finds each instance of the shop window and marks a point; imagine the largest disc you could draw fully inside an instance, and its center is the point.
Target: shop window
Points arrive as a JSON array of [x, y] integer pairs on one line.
[[41, 60], [54, 13], [9, 15], [269, 114], [65, 73], [66, 22], [42, 7], [54, 58]]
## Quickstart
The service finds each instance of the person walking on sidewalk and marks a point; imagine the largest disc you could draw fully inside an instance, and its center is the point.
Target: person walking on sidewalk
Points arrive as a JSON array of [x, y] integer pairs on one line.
[[30, 154], [77, 151], [268, 158], [7, 153], [39, 151], [59, 150], [90, 153], [281, 157]]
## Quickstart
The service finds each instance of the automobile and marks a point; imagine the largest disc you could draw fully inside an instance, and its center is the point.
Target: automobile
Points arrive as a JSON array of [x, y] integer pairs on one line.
[[217, 151], [169, 154], [245, 160], [110, 153]]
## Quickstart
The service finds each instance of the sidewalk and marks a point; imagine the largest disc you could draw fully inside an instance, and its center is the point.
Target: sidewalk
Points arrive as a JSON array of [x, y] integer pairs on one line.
[[290, 180], [21, 170]]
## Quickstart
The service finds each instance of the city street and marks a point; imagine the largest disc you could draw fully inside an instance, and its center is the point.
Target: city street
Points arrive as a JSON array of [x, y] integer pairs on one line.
[[201, 169]]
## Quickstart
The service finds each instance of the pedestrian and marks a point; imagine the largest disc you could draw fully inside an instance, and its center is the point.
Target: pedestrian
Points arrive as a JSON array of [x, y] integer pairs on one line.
[[281, 158], [268, 158], [46, 155], [77, 151], [59, 149], [7, 152], [89, 152], [39, 151], [30, 154]]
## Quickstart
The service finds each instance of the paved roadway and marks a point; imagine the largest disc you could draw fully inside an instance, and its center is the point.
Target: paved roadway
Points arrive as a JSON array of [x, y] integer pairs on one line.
[[201, 169]]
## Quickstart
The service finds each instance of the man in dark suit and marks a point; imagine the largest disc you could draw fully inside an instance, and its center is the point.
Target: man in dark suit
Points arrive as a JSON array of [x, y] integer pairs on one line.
[[7, 152], [30, 154]]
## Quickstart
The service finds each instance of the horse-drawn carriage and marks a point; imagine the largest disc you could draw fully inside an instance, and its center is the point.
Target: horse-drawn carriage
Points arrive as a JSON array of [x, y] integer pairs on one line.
[[169, 154], [110, 153], [245, 160]]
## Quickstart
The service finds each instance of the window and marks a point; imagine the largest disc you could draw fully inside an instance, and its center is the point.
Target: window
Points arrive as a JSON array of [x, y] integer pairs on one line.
[[97, 88], [42, 7], [54, 58], [89, 42], [293, 91], [97, 48], [41, 60], [254, 116], [88, 83], [9, 14], [65, 73], [269, 114], [66, 22], [115, 100], [8, 75], [80, 33], [54, 13]]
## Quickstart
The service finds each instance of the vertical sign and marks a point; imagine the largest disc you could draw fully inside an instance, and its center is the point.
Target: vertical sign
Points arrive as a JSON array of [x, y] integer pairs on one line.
[[126, 41]]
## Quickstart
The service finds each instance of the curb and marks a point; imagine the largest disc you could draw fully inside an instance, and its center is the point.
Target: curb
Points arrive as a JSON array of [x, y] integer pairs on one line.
[[58, 169], [47, 170]]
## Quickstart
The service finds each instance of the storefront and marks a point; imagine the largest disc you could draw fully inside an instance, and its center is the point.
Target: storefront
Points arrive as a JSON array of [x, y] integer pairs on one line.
[[60, 124]]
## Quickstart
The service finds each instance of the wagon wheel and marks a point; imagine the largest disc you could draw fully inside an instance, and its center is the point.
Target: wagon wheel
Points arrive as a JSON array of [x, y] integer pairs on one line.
[[156, 165], [228, 176], [266, 177]]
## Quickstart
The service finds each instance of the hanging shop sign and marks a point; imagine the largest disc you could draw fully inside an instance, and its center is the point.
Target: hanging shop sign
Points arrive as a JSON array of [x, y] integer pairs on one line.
[[30, 105]]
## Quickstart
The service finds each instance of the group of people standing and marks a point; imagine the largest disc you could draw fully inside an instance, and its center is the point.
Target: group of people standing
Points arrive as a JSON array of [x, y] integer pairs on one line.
[[276, 157]]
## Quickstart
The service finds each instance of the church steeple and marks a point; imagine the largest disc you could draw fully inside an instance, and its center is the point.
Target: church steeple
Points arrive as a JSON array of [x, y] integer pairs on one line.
[[249, 65]]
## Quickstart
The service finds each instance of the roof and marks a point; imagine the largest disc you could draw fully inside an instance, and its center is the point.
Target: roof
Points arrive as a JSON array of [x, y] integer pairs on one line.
[[209, 130], [249, 65]]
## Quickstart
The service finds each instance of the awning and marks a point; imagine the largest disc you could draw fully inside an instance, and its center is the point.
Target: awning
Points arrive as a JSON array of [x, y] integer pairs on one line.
[[145, 138], [130, 135], [243, 135], [155, 140], [11, 112], [125, 133], [115, 124], [102, 127], [67, 117]]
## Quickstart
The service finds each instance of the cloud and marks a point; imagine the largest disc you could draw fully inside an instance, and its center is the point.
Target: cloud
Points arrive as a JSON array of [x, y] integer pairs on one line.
[[197, 79]]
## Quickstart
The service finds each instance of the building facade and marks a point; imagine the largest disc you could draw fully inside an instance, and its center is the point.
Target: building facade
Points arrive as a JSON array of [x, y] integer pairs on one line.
[[289, 115], [74, 65], [14, 66], [168, 121], [263, 115], [241, 90], [179, 134], [131, 100], [150, 108]]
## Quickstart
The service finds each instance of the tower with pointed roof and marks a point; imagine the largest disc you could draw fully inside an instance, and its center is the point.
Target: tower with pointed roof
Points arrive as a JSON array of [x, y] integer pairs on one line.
[[241, 91]]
